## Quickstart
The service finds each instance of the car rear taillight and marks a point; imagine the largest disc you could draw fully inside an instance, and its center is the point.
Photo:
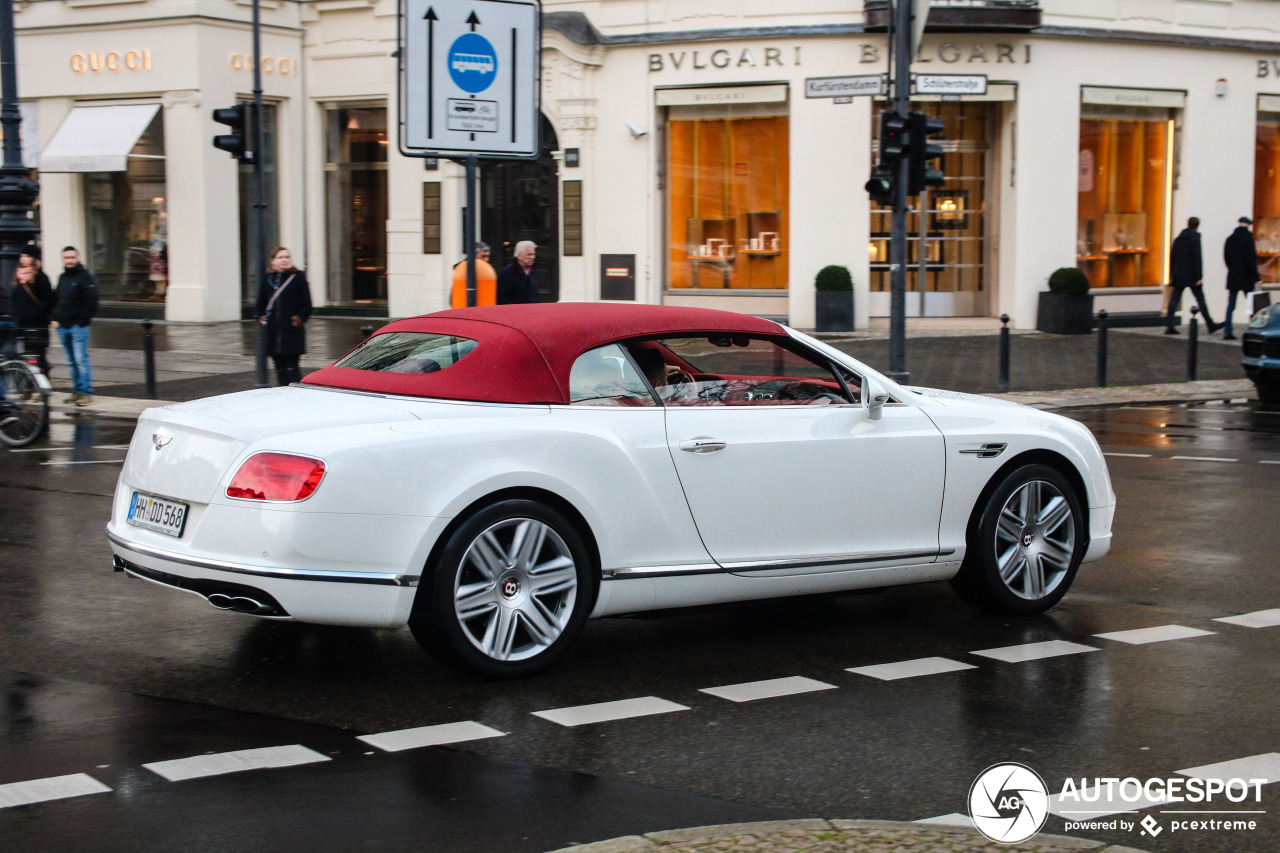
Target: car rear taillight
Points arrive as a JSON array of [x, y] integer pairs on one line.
[[276, 477]]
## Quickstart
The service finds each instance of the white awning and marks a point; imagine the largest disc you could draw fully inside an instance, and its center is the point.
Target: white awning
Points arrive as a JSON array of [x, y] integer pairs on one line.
[[97, 139]]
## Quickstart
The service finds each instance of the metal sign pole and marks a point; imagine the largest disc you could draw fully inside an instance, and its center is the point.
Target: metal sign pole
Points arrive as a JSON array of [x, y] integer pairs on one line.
[[469, 225], [258, 240]]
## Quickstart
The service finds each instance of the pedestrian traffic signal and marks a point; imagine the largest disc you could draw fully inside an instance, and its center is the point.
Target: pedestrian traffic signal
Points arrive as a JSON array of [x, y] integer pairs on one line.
[[881, 186], [893, 140], [235, 143], [920, 173]]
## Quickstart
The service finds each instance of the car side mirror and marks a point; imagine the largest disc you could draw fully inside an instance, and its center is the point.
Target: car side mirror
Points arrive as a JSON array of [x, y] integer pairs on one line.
[[874, 397]]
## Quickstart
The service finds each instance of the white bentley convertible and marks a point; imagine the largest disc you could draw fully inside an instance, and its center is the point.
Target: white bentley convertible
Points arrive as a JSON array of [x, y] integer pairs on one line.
[[494, 477]]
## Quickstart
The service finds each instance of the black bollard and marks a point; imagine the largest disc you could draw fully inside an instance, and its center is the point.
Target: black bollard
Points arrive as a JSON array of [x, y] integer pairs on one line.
[[149, 353], [1192, 343], [1102, 348], [1004, 354], [365, 331]]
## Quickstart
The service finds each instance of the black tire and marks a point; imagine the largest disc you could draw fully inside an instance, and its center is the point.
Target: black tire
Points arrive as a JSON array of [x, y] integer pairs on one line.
[[517, 603], [24, 415], [1268, 393], [1032, 524]]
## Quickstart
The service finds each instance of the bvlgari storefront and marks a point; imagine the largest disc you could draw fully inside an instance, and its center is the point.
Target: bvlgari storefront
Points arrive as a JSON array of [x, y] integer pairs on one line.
[[681, 165]]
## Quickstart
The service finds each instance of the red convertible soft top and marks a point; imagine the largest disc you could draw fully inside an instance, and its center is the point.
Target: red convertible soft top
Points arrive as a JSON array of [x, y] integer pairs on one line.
[[524, 352]]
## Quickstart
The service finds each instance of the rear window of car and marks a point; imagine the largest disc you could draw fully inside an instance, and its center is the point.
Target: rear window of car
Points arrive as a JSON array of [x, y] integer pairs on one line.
[[408, 352]]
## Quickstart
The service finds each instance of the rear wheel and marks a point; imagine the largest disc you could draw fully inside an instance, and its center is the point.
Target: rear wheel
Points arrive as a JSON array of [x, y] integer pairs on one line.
[[1025, 547], [509, 593]]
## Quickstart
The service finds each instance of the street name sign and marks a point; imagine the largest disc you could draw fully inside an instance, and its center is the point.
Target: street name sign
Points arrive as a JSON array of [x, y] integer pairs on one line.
[[844, 87], [469, 78], [951, 84]]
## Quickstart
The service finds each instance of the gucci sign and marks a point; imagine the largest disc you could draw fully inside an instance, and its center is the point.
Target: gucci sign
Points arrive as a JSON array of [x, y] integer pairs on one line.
[[116, 60], [270, 65]]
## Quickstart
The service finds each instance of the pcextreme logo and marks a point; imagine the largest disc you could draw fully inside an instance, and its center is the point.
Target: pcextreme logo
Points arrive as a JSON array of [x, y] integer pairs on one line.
[[1009, 802]]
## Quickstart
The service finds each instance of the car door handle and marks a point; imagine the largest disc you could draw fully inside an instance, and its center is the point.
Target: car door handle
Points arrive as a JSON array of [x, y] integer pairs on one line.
[[704, 445]]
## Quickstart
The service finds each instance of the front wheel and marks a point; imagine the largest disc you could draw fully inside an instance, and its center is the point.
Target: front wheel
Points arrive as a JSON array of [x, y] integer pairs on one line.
[[1025, 546], [24, 411], [509, 593]]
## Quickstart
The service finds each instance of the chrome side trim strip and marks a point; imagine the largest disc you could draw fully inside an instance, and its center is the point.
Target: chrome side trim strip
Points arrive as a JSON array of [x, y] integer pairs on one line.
[[881, 557], [990, 450], [659, 572], [763, 565], [375, 578]]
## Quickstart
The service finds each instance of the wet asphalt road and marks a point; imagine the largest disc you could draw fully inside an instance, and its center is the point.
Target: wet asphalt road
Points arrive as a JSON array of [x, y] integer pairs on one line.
[[103, 674]]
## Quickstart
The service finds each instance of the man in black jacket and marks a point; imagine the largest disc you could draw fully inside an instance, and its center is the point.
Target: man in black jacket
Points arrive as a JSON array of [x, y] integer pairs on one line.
[[1186, 270], [518, 281], [76, 303], [1241, 256]]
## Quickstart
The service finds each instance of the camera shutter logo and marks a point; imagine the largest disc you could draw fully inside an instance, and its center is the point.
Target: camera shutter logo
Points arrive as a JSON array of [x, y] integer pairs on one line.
[[1009, 803]]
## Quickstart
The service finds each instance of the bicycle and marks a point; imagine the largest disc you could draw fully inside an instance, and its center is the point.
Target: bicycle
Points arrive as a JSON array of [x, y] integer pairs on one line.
[[24, 409]]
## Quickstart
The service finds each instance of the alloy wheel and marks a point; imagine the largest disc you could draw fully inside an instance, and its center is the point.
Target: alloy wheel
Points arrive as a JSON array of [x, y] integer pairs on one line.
[[1035, 540], [515, 589]]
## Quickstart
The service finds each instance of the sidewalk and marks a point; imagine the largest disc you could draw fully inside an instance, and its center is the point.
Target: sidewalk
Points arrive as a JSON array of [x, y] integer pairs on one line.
[[833, 836], [195, 360]]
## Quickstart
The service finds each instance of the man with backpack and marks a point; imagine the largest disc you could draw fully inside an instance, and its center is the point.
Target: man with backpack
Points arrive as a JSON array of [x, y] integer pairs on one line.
[[76, 303]]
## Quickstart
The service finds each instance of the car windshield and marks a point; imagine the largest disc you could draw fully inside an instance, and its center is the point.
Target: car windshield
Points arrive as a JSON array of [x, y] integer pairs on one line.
[[408, 352]]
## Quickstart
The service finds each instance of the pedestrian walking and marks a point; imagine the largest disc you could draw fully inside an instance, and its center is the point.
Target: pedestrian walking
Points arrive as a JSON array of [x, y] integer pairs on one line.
[[518, 281], [486, 280], [32, 297], [7, 414], [75, 304], [1241, 255], [283, 308], [1186, 270]]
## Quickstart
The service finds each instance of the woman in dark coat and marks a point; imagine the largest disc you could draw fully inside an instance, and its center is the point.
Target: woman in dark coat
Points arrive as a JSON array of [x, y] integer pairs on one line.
[[32, 298], [284, 306]]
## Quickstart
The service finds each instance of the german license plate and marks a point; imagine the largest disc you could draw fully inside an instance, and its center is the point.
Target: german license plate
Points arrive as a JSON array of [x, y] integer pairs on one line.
[[157, 514]]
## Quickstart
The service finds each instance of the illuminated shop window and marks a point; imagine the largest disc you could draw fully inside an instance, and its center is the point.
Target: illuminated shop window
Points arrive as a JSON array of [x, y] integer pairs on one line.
[[1266, 196], [727, 196], [1125, 185]]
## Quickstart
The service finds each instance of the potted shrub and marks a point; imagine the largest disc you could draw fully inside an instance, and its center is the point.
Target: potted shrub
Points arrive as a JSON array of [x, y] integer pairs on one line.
[[834, 287], [1067, 308]]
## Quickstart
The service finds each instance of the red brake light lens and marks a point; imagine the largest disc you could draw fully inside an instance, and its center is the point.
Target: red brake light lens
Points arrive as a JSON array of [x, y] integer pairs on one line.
[[276, 477]]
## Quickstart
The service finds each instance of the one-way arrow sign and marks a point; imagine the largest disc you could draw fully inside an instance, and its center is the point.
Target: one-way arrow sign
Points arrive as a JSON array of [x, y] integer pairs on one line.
[[469, 78]]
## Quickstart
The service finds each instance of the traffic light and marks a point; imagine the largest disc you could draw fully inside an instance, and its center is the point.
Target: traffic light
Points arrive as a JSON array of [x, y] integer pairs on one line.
[[920, 173], [881, 185], [235, 143], [893, 140]]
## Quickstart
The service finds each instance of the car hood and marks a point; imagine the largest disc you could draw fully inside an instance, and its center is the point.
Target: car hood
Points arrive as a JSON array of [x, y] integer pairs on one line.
[[957, 398]]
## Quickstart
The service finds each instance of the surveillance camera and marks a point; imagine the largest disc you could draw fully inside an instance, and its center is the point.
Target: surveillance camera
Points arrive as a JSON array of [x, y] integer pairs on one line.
[[636, 130]]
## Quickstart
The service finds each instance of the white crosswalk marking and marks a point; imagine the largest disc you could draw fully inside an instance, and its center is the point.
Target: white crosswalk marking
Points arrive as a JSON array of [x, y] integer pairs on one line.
[[953, 819], [1265, 766], [1034, 651], [1159, 634], [53, 788], [603, 712], [751, 690], [430, 736], [218, 764], [911, 668], [1256, 619]]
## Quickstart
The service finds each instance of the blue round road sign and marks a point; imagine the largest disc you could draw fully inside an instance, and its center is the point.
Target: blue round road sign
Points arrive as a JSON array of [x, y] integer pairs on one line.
[[473, 63]]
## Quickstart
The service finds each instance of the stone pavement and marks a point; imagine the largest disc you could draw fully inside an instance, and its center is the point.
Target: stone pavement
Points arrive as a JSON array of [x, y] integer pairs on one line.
[[196, 360], [833, 836]]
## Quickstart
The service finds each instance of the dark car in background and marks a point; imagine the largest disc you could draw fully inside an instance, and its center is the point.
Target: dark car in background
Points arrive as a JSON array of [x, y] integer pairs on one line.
[[1261, 345]]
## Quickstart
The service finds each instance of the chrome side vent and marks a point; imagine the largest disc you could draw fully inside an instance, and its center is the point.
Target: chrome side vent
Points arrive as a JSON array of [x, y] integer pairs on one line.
[[989, 450]]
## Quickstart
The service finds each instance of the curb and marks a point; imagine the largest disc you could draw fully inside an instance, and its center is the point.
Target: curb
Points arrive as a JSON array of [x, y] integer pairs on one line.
[[865, 836]]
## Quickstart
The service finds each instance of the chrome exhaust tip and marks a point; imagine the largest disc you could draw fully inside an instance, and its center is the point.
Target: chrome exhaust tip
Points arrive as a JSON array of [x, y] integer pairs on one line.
[[239, 603]]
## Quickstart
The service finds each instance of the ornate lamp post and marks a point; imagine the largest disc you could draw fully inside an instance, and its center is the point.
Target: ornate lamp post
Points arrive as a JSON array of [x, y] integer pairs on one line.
[[17, 191]]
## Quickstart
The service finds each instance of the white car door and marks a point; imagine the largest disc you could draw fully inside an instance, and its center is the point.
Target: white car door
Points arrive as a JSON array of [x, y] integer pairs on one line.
[[785, 486]]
